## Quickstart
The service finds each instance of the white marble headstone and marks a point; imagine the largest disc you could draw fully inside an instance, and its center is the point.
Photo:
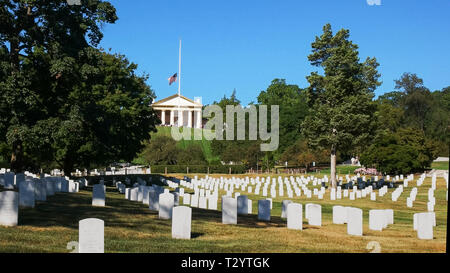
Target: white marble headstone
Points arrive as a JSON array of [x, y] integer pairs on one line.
[[294, 216], [181, 222], [98, 195], [166, 204], [354, 221], [242, 205], [264, 210], [229, 210], [9, 208], [91, 236]]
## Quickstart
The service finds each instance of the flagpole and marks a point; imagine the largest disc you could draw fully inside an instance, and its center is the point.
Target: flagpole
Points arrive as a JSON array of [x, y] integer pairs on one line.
[[179, 71]]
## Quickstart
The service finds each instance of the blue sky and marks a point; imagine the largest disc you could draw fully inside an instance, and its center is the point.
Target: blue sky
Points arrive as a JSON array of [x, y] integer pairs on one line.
[[245, 44]]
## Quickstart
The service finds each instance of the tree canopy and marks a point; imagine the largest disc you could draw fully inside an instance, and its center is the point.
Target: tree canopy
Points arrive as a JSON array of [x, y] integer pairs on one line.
[[64, 102]]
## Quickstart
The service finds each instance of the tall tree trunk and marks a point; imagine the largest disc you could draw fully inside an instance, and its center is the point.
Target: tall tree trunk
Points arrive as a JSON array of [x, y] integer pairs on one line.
[[333, 166], [17, 157]]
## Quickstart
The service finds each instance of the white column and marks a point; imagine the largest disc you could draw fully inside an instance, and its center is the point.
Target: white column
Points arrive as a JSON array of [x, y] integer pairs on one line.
[[171, 117], [180, 118], [190, 119], [163, 117], [199, 119]]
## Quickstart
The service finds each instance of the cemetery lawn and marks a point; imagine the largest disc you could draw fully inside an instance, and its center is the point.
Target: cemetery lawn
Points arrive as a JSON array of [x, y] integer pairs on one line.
[[132, 227], [440, 165]]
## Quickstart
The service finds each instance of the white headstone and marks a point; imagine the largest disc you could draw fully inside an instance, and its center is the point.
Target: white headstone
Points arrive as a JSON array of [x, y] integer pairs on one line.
[[9, 208], [264, 210], [98, 195], [26, 194], [212, 203], [91, 236], [339, 215], [354, 221], [166, 203], [424, 226], [242, 205], [202, 202], [153, 200], [377, 219], [229, 210], [249, 206], [294, 216], [181, 222], [315, 215], [284, 205], [194, 200], [186, 199]]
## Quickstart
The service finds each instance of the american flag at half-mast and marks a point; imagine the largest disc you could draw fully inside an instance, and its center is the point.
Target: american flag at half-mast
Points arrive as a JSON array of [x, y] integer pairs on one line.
[[172, 79]]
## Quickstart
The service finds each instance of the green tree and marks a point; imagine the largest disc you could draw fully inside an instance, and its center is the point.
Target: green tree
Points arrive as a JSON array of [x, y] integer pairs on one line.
[[29, 30], [402, 152], [192, 155], [341, 99], [293, 109], [417, 99], [161, 150], [65, 102]]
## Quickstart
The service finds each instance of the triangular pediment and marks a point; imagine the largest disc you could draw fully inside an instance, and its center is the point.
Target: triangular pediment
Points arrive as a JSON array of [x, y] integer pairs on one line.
[[176, 100]]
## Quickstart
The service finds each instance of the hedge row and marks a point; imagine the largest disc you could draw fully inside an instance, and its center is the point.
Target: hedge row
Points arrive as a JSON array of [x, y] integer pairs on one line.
[[223, 169]]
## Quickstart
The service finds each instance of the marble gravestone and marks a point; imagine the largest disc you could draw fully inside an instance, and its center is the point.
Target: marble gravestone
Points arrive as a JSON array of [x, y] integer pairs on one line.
[[249, 206], [49, 186], [9, 180], [40, 191], [140, 196], [264, 210], [212, 203], [377, 219], [91, 235], [284, 205], [26, 194], [181, 222], [425, 226], [339, 215], [166, 204], [354, 221], [186, 199], [145, 195], [134, 193], [194, 200], [229, 210], [315, 215], [153, 200], [98, 195], [202, 202], [242, 205], [9, 208], [176, 199], [294, 214]]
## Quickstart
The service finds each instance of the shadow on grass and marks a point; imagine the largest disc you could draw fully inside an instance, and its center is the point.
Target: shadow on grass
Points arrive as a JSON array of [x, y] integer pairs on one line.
[[67, 209], [250, 221]]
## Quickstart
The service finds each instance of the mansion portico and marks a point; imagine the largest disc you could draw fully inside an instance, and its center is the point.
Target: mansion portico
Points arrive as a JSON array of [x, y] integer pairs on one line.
[[179, 111]]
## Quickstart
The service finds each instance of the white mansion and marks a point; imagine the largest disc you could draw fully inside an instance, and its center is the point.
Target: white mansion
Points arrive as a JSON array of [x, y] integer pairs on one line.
[[180, 111]]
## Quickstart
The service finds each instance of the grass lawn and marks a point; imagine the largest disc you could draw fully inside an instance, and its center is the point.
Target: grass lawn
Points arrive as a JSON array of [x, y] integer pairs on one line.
[[440, 165], [204, 143], [132, 227]]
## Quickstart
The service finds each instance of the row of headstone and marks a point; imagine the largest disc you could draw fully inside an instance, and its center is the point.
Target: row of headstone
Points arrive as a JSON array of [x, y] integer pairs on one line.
[[30, 189]]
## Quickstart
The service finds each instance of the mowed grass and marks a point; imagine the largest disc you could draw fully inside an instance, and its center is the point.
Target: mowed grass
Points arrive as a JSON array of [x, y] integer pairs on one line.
[[440, 165], [132, 227]]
